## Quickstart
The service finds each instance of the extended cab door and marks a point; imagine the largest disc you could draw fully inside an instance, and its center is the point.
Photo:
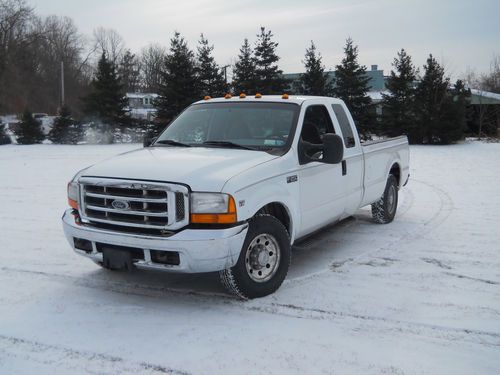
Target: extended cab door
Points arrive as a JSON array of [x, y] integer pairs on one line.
[[353, 163], [322, 194]]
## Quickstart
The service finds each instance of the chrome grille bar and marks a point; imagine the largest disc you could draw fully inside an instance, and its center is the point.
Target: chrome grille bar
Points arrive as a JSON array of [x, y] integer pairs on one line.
[[125, 224], [134, 199], [140, 213]]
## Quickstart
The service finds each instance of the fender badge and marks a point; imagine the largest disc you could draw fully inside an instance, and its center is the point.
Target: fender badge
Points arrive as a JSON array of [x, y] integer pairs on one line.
[[291, 179]]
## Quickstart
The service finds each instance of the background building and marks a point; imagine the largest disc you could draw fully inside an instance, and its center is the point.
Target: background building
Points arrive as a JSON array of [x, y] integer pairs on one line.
[[141, 105]]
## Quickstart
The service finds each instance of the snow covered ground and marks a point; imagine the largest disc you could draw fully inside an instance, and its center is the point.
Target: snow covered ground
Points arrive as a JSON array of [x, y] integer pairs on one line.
[[418, 296]]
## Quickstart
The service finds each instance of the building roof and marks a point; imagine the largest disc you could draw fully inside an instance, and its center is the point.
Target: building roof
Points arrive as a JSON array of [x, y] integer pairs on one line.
[[377, 81], [484, 97], [140, 95]]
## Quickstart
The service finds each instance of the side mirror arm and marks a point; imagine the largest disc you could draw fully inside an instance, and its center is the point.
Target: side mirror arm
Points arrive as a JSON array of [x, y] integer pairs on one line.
[[148, 141], [306, 147]]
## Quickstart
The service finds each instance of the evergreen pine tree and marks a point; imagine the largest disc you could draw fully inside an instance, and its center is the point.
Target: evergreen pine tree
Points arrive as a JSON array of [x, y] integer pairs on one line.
[[398, 106], [352, 86], [452, 126], [314, 81], [106, 102], [269, 78], [244, 71], [30, 130], [431, 101], [65, 129], [179, 87], [210, 77], [129, 72]]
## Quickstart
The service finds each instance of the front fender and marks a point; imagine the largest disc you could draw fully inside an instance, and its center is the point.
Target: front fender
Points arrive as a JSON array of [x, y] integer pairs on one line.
[[251, 199]]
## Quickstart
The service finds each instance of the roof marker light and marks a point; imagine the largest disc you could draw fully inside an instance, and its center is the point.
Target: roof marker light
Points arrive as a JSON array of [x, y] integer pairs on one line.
[[243, 95], [227, 96], [284, 96], [207, 97], [258, 95]]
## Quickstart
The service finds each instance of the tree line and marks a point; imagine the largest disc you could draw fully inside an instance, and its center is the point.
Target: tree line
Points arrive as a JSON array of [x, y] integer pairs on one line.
[[426, 107]]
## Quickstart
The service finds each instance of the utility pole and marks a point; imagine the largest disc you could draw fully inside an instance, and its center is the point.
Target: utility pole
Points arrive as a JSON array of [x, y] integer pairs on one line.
[[62, 84], [225, 71]]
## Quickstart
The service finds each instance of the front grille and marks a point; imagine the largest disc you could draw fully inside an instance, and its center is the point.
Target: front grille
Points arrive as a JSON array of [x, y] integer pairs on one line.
[[139, 204]]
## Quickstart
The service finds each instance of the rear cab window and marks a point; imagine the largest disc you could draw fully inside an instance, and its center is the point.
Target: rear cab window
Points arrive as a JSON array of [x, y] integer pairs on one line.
[[345, 126]]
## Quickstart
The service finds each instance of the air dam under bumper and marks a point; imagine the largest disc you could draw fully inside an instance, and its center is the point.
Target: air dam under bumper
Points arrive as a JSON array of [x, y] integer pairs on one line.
[[200, 250]]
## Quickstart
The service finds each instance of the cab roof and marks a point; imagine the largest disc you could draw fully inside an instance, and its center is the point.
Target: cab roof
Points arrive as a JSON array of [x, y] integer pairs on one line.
[[296, 99]]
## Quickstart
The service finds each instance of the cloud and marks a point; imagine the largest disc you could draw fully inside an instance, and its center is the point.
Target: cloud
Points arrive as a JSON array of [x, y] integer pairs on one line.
[[464, 33]]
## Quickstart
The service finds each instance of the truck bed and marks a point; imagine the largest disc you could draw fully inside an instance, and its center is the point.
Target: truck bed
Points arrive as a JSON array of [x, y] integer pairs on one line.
[[379, 156]]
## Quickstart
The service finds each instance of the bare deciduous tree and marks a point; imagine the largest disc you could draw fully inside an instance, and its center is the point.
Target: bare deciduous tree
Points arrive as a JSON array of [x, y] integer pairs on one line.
[[488, 116], [109, 42], [20, 34], [31, 51], [491, 80], [152, 58]]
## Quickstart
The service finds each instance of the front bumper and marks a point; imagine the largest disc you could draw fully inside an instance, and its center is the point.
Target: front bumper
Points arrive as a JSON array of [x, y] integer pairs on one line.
[[200, 250]]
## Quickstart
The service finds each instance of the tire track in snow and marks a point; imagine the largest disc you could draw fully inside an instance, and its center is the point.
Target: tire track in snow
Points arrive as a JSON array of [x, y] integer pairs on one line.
[[460, 276], [377, 323], [445, 208], [118, 287], [62, 355], [395, 325]]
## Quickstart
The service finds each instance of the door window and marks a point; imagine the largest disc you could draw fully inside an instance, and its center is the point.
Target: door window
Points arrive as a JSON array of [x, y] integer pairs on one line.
[[317, 123]]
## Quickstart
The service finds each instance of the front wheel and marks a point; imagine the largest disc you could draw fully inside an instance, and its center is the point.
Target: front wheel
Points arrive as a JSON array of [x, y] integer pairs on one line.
[[263, 262], [384, 210]]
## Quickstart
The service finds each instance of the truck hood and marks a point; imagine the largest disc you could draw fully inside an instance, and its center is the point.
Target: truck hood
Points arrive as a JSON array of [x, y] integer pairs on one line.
[[202, 168]]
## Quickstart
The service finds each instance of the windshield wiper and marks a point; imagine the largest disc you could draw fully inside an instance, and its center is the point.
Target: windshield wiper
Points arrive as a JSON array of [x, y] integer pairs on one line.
[[227, 144], [171, 142]]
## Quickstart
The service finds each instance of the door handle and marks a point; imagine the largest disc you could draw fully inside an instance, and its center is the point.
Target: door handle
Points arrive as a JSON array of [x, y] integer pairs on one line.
[[344, 167]]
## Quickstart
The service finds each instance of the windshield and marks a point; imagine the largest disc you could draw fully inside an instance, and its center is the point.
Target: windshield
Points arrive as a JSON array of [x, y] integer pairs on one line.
[[260, 126]]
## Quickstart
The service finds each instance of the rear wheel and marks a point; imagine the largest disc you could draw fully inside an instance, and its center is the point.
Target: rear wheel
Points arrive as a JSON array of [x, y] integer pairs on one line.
[[263, 262], [384, 210]]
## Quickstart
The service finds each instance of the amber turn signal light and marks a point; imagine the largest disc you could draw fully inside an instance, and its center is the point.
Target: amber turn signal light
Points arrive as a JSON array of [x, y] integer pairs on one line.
[[73, 204], [228, 217]]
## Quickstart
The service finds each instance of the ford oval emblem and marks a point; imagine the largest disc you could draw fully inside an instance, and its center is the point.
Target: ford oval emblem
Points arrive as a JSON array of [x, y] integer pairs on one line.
[[120, 205]]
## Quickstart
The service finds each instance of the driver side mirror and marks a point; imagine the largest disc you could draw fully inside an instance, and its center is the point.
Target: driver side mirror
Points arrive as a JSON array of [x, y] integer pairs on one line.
[[148, 140], [331, 151]]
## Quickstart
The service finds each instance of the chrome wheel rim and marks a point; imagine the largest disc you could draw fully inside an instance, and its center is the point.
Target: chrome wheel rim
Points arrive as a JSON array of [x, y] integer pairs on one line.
[[262, 258], [391, 199]]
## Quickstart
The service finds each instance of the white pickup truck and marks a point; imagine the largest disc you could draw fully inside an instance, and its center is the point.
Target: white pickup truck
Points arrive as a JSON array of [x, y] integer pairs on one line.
[[230, 185]]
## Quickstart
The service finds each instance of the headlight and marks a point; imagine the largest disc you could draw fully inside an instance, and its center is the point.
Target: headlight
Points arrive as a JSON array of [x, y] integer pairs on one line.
[[73, 194], [73, 189], [214, 208], [209, 203]]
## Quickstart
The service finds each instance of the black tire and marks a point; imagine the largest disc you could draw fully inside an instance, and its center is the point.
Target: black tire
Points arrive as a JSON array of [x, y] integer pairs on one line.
[[260, 269], [384, 210]]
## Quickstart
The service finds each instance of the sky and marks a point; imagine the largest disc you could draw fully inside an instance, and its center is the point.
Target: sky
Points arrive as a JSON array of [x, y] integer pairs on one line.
[[461, 34]]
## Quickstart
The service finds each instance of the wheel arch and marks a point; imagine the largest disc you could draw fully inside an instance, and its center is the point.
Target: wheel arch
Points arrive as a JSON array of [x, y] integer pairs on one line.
[[395, 170], [280, 211]]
